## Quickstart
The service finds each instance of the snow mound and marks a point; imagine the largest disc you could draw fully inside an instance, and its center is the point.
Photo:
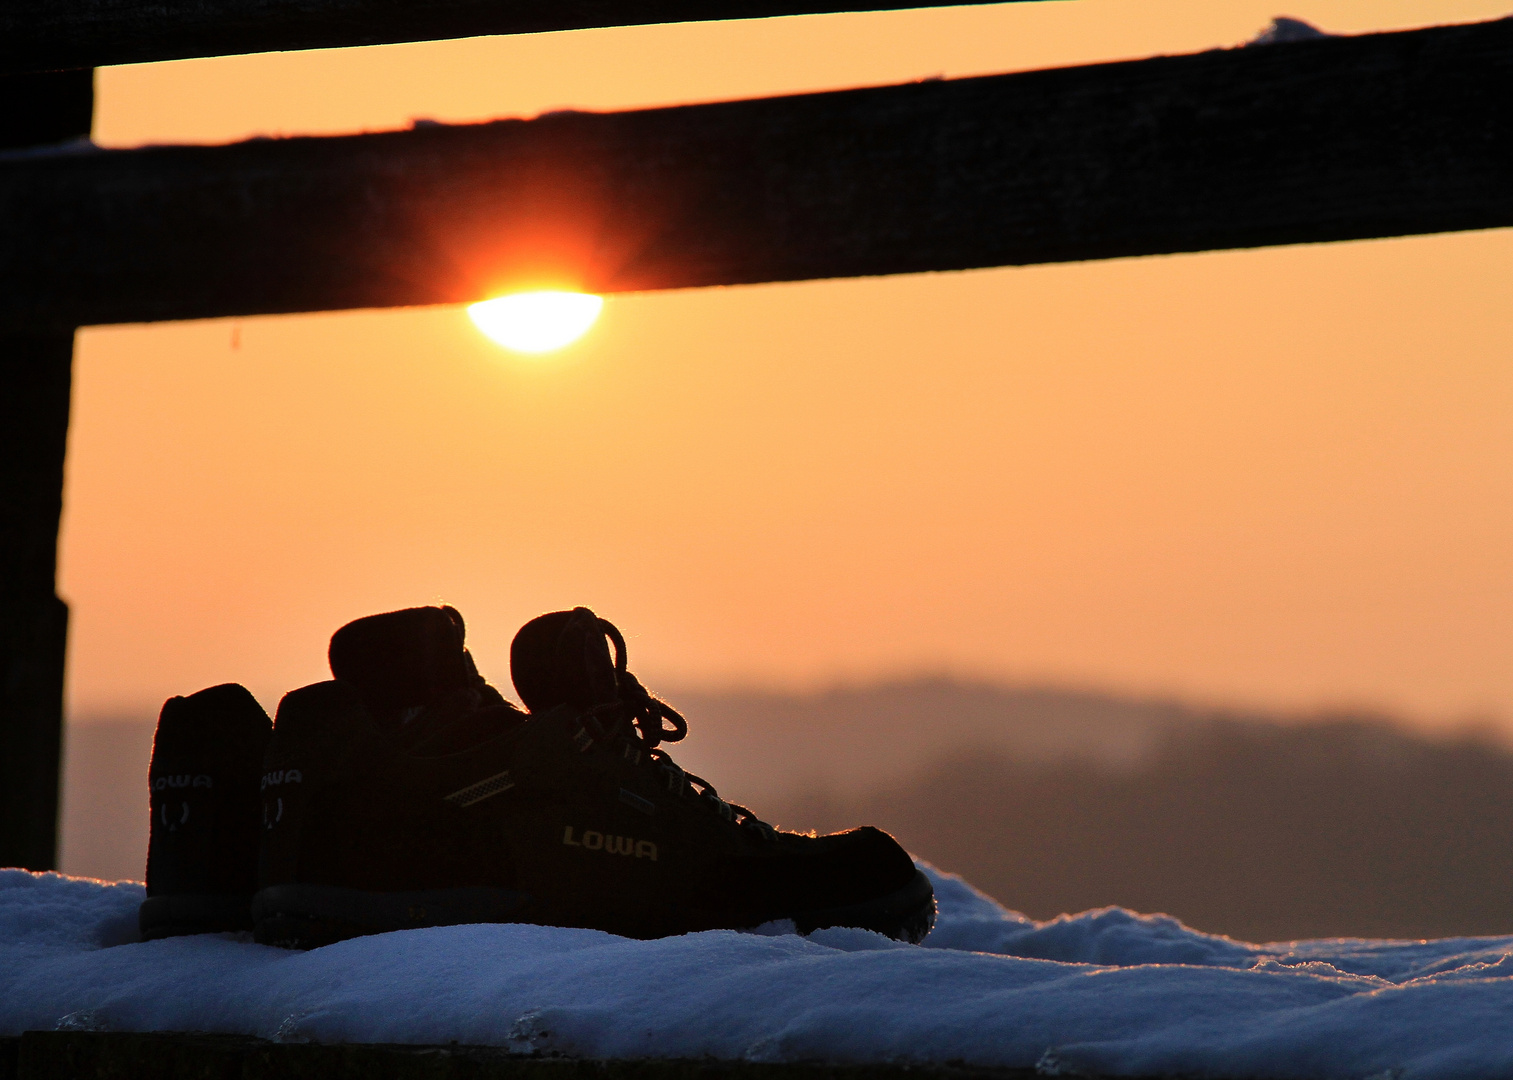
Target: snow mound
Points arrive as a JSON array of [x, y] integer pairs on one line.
[[1107, 991], [1283, 30]]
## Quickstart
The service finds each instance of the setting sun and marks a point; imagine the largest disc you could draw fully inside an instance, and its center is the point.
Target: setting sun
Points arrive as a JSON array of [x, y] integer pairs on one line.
[[537, 322]]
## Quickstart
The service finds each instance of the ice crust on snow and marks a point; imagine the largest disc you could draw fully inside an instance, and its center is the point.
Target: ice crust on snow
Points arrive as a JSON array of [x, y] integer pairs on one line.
[[1106, 991]]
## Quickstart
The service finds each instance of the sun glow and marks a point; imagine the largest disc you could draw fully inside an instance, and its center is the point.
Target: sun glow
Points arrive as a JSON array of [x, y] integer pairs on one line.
[[537, 322]]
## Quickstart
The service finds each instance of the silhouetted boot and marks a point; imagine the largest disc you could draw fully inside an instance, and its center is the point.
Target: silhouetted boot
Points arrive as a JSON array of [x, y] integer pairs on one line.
[[354, 843], [731, 868], [207, 757], [572, 816]]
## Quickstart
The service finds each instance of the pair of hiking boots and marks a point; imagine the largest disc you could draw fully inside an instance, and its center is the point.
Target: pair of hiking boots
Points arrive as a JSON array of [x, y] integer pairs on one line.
[[407, 792]]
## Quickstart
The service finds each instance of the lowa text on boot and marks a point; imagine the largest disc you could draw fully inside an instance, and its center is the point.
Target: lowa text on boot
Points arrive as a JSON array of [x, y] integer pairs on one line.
[[202, 850]]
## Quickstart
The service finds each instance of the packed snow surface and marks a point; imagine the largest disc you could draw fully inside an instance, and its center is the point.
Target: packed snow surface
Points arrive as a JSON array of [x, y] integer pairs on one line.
[[1103, 992]]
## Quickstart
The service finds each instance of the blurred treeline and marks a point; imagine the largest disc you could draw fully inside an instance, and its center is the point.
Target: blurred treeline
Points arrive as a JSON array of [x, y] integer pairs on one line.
[[1263, 828], [1260, 832], [1054, 801]]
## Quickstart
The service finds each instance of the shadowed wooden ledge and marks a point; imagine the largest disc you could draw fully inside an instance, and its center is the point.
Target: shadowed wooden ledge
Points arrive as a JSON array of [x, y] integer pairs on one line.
[[1330, 139]]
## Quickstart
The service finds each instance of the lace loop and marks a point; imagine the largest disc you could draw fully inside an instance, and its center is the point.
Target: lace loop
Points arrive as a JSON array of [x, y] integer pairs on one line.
[[649, 715], [653, 722]]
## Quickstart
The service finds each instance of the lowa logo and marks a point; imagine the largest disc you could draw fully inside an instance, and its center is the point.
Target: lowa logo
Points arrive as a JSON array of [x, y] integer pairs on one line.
[[163, 783], [281, 776], [615, 845]]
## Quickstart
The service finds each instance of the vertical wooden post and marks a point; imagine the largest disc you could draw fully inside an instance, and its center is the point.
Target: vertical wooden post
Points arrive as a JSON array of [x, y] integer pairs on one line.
[[36, 365]]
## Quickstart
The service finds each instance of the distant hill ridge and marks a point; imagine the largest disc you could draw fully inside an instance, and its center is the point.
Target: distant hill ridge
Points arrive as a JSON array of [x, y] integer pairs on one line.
[[1263, 827], [1264, 832], [851, 739], [1058, 801]]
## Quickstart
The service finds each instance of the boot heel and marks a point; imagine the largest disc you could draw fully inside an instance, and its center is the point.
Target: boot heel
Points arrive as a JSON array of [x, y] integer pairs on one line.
[[187, 913], [302, 932]]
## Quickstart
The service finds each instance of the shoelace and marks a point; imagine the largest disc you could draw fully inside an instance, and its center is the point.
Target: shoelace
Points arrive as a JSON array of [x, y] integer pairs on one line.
[[648, 718]]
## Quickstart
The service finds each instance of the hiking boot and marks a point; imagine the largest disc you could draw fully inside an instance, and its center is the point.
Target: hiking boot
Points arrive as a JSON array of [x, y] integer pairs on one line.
[[202, 853], [572, 816], [725, 867], [350, 846]]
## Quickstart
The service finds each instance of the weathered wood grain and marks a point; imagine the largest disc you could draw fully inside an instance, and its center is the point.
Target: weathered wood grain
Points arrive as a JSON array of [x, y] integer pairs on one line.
[[1334, 139]]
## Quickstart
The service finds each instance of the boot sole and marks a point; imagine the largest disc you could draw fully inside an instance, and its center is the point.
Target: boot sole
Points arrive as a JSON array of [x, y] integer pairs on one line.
[[906, 914], [310, 916], [178, 914]]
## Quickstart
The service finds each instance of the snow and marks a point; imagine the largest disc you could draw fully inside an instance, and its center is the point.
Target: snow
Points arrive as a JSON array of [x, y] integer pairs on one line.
[[1284, 30], [1105, 992], [70, 147]]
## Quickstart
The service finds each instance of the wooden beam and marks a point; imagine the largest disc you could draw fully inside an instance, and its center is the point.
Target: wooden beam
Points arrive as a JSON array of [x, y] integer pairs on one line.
[[1334, 139], [40, 35], [36, 365], [39, 106], [35, 372]]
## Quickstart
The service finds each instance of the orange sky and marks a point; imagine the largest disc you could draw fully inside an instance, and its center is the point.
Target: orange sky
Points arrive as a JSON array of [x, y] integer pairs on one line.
[[1280, 477]]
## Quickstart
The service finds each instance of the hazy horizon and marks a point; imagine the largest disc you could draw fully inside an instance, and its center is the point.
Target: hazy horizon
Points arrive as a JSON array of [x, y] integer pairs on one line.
[[1054, 801], [1448, 725], [818, 692]]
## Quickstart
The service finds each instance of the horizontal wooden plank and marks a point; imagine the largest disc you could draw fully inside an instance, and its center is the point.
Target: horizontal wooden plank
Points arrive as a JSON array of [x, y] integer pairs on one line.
[[43, 35], [1331, 139]]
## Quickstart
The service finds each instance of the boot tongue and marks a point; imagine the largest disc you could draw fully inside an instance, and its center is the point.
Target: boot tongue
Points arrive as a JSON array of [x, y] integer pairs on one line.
[[562, 658], [401, 660]]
